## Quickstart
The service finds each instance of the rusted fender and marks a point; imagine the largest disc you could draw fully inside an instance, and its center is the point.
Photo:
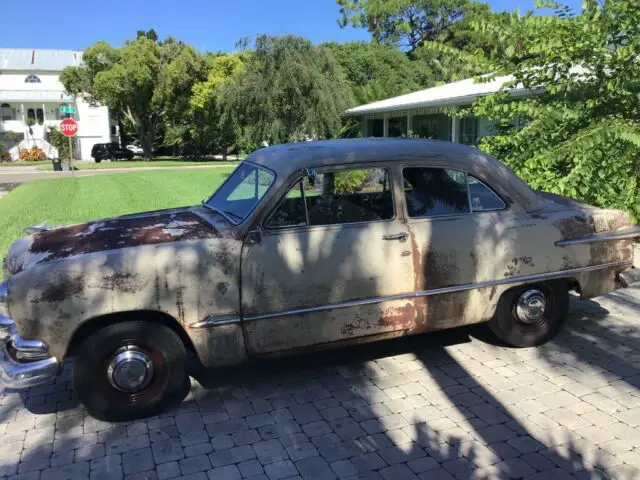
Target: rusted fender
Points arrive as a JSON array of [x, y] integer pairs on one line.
[[183, 263]]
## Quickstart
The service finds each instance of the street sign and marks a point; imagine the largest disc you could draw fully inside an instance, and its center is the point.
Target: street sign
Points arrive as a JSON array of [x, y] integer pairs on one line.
[[69, 127], [67, 109]]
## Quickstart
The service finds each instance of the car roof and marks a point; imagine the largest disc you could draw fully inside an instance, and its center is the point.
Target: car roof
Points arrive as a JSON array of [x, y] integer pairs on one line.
[[288, 158]]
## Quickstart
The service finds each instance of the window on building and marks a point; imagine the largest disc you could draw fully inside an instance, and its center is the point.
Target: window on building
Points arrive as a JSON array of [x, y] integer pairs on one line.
[[397, 126], [31, 114], [32, 79], [330, 198], [436, 127], [375, 127], [7, 113], [469, 130], [432, 192], [40, 116]]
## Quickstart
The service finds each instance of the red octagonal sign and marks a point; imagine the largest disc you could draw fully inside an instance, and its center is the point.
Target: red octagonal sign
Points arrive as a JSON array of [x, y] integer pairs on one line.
[[69, 127]]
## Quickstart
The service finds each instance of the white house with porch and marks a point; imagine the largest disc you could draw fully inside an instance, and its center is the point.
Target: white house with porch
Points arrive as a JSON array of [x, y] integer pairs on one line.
[[31, 96], [422, 113]]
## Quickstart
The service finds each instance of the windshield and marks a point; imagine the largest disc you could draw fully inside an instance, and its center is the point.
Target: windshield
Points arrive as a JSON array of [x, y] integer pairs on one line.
[[242, 191]]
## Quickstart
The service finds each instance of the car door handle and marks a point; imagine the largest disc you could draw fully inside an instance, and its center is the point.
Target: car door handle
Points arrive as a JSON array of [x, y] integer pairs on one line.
[[396, 236]]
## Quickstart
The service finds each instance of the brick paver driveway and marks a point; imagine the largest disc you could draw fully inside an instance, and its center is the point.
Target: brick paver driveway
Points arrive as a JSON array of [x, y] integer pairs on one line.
[[445, 405]]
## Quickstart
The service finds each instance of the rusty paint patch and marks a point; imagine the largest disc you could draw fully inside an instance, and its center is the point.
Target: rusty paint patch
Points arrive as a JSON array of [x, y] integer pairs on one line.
[[223, 287], [60, 291], [402, 318], [121, 233]]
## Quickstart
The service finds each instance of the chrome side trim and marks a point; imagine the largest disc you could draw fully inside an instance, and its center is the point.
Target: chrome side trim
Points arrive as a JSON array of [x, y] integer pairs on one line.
[[216, 321], [436, 291], [622, 234]]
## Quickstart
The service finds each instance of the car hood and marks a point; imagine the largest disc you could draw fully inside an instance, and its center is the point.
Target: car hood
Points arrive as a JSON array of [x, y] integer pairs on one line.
[[149, 228]]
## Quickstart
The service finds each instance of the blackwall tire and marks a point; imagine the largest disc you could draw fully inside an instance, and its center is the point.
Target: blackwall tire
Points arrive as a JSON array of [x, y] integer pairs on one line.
[[520, 319], [109, 362]]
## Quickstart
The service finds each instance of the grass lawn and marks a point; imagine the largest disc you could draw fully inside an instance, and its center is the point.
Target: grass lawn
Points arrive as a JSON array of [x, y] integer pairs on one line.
[[86, 165], [73, 200]]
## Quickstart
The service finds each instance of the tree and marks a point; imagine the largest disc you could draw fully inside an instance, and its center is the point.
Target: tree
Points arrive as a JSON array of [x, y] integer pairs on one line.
[[290, 90], [407, 23], [376, 71], [141, 81], [212, 125], [579, 132]]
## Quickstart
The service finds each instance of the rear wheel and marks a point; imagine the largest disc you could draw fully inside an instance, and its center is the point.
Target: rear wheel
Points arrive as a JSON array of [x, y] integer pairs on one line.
[[130, 370], [532, 314]]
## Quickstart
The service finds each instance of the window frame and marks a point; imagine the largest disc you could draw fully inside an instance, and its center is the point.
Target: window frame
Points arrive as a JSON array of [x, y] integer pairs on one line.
[[328, 169], [450, 215]]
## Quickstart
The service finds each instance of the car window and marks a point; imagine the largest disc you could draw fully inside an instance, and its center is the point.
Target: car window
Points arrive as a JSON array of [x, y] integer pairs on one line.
[[290, 211], [483, 199], [242, 191], [435, 191], [345, 196]]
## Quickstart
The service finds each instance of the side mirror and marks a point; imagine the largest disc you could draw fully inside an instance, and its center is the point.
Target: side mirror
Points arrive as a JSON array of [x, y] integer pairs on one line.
[[254, 237]]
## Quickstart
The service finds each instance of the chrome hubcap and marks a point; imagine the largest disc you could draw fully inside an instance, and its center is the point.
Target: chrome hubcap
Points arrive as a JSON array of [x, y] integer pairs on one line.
[[130, 370], [531, 306]]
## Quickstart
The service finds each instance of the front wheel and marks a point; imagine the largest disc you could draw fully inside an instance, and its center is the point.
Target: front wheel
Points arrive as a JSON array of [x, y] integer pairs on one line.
[[532, 314], [130, 370]]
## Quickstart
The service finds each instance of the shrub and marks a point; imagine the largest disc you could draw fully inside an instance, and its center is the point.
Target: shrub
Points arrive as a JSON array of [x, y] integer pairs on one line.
[[4, 156], [33, 154]]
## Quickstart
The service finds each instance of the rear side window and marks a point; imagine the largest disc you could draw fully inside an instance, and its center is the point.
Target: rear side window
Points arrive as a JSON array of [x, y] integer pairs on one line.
[[483, 199], [330, 198], [433, 192]]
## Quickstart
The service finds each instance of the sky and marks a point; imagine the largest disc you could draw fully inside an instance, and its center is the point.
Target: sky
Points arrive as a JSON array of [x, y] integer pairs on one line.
[[209, 25]]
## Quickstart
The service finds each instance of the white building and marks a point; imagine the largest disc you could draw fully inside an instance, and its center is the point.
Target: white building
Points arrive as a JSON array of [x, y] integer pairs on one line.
[[31, 92], [422, 113]]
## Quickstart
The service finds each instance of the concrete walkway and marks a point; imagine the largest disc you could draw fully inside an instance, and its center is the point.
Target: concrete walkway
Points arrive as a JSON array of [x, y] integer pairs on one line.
[[30, 174]]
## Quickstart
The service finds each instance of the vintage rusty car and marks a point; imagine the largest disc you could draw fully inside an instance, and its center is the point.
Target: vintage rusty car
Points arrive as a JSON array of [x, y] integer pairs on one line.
[[304, 246]]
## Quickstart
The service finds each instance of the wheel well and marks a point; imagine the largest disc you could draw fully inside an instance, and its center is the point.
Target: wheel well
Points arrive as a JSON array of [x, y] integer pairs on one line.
[[93, 325]]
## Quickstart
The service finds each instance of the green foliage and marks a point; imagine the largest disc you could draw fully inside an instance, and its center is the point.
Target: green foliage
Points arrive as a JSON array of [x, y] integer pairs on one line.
[[349, 181], [376, 71], [289, 90], [58, 140], [579, 135], [408, 23]]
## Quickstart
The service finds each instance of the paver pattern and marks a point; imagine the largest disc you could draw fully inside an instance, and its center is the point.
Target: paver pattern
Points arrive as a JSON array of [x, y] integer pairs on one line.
[[446, 405]]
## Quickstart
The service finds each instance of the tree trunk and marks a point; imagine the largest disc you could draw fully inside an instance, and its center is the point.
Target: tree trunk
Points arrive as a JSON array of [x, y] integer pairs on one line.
[[146, 140]]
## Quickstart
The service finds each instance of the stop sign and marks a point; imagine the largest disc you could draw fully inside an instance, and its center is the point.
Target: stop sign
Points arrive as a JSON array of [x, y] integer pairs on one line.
[[69, 127]]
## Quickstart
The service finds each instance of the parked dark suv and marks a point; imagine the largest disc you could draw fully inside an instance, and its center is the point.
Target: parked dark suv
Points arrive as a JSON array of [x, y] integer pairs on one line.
[[110, 151]]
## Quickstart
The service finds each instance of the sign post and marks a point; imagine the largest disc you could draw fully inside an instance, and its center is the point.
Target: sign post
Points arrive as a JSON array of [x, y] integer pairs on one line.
[[69, 128]]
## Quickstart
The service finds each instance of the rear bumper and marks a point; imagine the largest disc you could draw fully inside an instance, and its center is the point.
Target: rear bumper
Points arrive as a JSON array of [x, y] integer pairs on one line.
[[23, 363], [629, 277]]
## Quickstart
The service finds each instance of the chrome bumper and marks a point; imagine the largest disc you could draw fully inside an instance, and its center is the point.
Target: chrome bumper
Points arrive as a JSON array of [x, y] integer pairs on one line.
[[23, 363], [629, 277]]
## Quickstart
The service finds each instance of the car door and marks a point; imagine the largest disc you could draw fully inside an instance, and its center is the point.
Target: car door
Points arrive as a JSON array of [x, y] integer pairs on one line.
[[329, 256], [460, 228]]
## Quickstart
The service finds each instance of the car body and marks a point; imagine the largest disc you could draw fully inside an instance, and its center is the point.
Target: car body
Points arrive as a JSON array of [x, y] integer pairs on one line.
[[136, 149], [306, 246], [110, 151]]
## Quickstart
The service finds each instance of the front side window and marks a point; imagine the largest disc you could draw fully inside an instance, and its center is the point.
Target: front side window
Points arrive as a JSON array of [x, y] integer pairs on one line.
[[330, 198], [433, 192], [241, 192]]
